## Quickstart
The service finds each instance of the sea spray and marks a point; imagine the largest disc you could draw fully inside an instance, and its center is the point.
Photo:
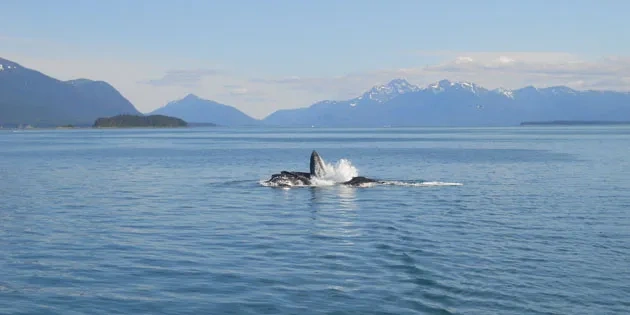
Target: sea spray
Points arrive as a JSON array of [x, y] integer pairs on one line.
[[342, 171], [339, 172]]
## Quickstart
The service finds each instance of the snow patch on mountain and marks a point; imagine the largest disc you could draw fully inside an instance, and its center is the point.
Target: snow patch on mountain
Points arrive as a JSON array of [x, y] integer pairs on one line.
[[562, 90], [7, 67], [436, 88], [443, 85], [505, 92], [466, 85], [385, 92]]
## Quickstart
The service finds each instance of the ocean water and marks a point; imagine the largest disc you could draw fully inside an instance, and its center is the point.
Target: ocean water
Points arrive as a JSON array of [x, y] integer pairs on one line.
[[523, 220]]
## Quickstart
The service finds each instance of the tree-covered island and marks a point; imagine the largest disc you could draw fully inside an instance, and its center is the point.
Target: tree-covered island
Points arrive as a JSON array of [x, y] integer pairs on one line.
[[137, 121]]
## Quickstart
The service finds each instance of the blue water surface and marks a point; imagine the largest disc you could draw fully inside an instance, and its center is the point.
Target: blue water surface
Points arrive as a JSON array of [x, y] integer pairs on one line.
[[175, 221]]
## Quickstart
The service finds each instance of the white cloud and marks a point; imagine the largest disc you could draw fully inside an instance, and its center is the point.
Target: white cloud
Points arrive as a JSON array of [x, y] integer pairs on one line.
[[184, 78], [464, 59], [238, 90], [504, 59], [540, 69]]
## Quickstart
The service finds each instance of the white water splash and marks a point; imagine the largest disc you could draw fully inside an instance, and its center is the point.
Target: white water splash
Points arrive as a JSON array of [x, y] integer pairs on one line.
[[343, 171], [340, 172], [420, 184]]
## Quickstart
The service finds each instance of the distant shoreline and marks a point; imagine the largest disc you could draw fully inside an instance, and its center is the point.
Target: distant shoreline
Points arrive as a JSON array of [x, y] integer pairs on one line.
[[88, 127], [573, 123], [212, 125]]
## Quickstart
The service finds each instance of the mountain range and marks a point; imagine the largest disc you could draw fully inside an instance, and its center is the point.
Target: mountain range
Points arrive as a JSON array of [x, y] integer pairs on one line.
[[448, 103], [30, 97]]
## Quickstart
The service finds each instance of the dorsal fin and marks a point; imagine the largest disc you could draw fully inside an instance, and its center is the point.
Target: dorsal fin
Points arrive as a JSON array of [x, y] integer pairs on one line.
[[317, 165]]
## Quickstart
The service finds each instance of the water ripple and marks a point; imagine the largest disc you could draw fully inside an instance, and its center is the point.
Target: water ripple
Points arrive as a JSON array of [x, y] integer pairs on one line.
[[110, 222]]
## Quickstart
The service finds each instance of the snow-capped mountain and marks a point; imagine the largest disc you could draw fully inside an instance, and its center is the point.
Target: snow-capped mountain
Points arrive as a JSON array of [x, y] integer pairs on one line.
[[505, 92], [446, 85], [453, 103], [335, 110], [385, 92]]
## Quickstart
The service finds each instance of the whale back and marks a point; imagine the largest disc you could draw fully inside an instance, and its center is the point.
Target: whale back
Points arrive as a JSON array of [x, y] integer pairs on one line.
[[317, 165]]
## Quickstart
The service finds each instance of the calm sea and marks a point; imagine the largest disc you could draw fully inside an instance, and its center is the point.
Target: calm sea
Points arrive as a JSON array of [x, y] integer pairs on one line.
[[524, 220]]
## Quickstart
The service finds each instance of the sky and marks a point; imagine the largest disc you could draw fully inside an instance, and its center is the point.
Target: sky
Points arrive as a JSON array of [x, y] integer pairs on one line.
[[262, 56]]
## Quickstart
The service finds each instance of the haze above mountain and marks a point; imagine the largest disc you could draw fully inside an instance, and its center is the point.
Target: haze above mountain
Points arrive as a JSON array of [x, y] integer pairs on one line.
[[30, 97]]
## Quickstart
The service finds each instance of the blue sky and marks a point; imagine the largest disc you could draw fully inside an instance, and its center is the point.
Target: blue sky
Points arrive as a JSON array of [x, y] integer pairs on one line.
[[265, 55]]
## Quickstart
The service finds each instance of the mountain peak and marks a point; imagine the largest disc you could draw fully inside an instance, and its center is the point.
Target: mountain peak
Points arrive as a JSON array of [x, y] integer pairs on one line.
[[191, 96], [445, 84], [82, 81], [505, 92], [79, 81], [385, 92], [560, 90], [46, 101], [194, 109]]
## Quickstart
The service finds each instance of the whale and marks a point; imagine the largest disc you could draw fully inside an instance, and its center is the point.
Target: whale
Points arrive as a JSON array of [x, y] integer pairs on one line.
[[361, 180], [317, 169]]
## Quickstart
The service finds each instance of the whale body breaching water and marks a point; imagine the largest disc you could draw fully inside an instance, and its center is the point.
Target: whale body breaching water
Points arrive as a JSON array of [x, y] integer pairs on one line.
[[324, 174], [320, 174]]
